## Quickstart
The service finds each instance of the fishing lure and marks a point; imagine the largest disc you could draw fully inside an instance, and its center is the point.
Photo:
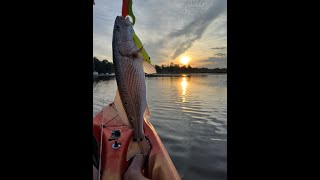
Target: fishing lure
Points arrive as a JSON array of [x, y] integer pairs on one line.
[[127, 10]]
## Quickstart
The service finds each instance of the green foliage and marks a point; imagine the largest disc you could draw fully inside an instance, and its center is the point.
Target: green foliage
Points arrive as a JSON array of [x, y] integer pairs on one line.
[[103, 66]]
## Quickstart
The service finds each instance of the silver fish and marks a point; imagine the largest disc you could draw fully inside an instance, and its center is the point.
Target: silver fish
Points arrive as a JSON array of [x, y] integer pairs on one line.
[[130, 101]]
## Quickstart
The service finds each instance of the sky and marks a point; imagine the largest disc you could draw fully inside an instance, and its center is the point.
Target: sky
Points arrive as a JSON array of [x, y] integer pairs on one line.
[[169, 30]]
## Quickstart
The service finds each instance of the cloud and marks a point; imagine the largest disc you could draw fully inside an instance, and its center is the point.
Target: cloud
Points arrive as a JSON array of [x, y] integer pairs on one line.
[[219, 48], [215, 62], [220, 54], [195, 29], [167, 28]]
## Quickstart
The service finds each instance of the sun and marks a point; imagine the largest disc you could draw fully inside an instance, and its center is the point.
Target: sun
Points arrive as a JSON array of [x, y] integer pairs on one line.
[[184, 60]]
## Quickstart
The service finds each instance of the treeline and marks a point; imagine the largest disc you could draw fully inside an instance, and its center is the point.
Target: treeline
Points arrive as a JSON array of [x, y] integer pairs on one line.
[[177, 69], [105, 66]]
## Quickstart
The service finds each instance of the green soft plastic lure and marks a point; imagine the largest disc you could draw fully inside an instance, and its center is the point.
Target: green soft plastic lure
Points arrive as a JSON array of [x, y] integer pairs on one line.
[[144, 53], [127, 10]]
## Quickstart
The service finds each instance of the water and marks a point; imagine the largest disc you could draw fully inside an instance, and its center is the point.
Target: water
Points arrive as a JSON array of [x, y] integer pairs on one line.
[[190, 116]]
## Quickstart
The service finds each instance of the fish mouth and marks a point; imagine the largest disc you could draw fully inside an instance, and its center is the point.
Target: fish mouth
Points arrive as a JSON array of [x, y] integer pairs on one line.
[[124, 20]]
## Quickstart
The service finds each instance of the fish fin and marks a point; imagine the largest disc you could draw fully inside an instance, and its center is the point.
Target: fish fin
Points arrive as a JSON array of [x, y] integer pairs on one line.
[[147, 113], [121, 110], [138, 147], [148, 68]]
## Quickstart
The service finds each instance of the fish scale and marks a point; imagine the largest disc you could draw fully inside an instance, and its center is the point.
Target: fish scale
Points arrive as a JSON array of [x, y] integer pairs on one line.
[[132, 89]]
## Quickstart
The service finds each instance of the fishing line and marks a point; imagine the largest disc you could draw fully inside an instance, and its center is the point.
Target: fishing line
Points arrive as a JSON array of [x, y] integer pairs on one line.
[[99, 175], [112, 105], [111, 120]]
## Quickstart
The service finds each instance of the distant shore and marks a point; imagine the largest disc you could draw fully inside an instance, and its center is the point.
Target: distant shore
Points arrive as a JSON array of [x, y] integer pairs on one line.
[[179, 74], [108, 76], [105, 69]]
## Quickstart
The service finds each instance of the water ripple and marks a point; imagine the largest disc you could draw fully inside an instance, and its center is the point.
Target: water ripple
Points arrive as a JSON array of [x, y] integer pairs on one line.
[[190, 116]]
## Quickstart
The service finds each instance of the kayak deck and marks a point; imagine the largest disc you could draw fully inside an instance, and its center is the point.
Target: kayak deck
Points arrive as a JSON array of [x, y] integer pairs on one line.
[[113, 161]]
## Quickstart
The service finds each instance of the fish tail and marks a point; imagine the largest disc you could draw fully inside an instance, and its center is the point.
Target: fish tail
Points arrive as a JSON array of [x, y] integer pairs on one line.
[[138, 147]]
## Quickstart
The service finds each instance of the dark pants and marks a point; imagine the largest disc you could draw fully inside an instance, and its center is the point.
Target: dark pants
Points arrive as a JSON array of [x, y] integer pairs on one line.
[[95, 153]]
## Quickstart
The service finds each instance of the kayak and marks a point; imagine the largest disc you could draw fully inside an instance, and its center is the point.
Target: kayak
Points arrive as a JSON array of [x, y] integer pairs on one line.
[[159, 165]]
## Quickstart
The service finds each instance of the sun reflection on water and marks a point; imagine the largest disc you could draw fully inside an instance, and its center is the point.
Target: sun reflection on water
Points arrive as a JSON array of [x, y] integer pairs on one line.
[[184, 85]]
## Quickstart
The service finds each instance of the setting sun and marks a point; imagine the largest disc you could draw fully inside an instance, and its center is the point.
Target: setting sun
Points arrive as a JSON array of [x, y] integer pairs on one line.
[[184, 60]]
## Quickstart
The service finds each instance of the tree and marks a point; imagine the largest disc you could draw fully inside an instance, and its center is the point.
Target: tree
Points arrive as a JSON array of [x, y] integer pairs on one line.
[[103, 66], [158, 69]]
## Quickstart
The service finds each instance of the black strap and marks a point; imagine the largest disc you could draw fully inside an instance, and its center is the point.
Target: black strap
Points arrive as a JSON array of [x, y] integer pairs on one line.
[[95, 153]]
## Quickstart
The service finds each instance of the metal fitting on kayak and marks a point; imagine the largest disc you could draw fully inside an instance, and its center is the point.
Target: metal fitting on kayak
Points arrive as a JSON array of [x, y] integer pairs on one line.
[[116, 145], [115, 134]]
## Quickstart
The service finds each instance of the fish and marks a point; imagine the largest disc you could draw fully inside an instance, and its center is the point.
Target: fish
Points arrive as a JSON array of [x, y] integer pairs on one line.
[[130, 68]]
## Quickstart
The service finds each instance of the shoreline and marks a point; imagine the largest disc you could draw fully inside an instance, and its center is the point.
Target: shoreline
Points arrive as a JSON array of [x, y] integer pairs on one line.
[[181, 75], [108, 76]]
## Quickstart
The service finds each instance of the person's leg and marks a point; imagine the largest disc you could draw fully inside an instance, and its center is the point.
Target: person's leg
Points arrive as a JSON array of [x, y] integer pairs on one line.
[[134, 171], [95, 173], [95, 159]]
